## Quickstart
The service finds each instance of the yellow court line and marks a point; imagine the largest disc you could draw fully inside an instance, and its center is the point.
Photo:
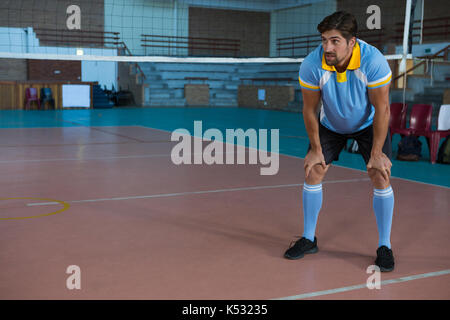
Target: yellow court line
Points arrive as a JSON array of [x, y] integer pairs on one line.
[[65, 204]]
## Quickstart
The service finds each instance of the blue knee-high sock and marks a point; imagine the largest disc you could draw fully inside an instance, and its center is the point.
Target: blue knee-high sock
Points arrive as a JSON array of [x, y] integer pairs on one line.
[[312, 202], [383, 205]]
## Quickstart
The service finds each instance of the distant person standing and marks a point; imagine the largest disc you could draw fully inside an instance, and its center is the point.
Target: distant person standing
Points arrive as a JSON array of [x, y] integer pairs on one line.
[[351, 80]]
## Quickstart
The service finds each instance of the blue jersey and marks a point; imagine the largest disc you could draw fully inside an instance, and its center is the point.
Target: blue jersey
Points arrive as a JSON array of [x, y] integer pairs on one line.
[[345, 101]]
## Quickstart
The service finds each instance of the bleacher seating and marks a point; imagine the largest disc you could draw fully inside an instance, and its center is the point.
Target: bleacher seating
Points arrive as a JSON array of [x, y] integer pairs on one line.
[[100, 98], [165, 81]]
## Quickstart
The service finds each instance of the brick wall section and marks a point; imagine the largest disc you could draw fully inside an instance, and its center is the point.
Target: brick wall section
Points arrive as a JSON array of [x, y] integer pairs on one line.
[[21, 70], [446, 99], [51, 14], [252, 28], [13, 69], [276, 97], [393, 12], [196, 94], [48, 70]]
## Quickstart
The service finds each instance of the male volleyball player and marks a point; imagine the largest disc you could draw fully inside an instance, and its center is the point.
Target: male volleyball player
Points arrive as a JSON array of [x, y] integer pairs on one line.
[[350, 78]]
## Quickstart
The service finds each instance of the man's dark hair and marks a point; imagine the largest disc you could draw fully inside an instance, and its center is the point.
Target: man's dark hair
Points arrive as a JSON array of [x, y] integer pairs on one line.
[[342, 21]]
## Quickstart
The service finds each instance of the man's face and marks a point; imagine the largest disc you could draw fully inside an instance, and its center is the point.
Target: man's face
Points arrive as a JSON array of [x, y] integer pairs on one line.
[[335, 47]]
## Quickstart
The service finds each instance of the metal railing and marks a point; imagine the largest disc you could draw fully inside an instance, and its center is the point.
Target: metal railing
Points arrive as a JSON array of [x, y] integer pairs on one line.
[[300, 42], [78, 38], [212, 46], [443, 51], [436, 27], [127, 52], [308, 42], [439, 28]]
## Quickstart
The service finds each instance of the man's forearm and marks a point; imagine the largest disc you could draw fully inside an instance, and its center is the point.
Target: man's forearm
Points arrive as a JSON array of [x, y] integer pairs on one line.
[[380, 128], [312, 128]]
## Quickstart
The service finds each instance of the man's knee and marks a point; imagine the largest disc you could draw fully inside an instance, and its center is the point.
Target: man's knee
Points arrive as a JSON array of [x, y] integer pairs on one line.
[[317, 174], [378, 180]]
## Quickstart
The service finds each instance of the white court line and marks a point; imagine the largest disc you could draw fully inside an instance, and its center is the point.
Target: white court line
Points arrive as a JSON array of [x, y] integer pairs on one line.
[[79, 126], [84, 159], [362, 286], [296, 157], [194, 192], [108, 158]]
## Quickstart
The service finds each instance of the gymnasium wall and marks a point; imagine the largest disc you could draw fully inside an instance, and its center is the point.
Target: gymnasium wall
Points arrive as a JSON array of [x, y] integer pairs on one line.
[[50, 14], [135, 17], [298, 21], [250, 27]]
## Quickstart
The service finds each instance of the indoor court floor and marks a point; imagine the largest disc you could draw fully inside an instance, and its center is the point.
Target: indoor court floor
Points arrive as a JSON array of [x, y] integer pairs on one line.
[[97, 189]]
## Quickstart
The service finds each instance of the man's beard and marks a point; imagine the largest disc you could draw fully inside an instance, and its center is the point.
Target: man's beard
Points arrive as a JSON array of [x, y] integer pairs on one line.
[[332, 61]]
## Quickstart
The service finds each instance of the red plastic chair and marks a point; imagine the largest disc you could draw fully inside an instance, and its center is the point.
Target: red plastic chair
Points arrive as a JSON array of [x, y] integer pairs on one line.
[[419, 121], [30, 96], [420, 125], [398, 117], [443, 130]]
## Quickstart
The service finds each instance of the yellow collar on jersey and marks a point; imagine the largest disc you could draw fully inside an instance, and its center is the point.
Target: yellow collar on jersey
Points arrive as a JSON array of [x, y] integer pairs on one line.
[[355, 60]]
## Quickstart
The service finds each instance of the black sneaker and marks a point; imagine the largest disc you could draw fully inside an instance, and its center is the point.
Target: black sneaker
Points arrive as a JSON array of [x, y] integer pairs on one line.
[[301, 247], [385, 259]]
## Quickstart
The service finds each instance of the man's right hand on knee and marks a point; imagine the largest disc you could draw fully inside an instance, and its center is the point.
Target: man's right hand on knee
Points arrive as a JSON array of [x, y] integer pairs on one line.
[[313, 158]]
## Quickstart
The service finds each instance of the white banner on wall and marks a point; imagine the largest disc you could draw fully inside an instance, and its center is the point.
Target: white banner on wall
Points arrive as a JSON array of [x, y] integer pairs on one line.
[[76, 95]]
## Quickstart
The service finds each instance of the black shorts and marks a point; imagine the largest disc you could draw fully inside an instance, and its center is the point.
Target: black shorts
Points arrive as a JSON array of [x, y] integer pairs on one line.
[[332, 143]]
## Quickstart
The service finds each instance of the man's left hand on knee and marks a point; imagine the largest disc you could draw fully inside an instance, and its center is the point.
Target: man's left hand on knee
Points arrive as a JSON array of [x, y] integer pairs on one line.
[[381, 163]]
